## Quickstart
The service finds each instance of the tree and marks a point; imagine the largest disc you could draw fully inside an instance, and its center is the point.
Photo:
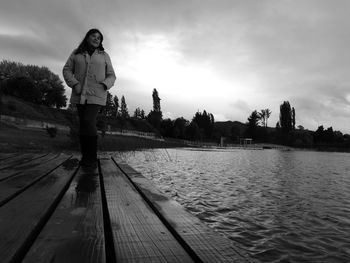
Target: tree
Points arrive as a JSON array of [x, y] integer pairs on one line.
[[115, 105], [253, 124], [139, 114], [33, 83], [53, 91], [193, 132], [329, 135], [24, 88], [322, 135], [167, 128], [55, 97], [142, 115], [155, 116], [155, 119], [264, 115], [156, 101], [205, 122], [319, 134], [109, 108], [51, 88], [12, 69], [338, 137], [253, 119], [287, 117], [180, 125], [124, 108]]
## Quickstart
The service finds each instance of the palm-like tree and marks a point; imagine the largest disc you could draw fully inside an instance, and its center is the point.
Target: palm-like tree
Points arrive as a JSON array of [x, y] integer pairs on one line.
[[264, 115]]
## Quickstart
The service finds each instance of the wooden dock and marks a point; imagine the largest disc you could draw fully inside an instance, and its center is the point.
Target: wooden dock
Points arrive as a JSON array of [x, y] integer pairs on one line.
[[52, 210]]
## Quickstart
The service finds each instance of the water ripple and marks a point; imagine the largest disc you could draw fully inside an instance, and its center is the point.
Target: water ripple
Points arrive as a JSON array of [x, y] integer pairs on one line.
[[280, 206]]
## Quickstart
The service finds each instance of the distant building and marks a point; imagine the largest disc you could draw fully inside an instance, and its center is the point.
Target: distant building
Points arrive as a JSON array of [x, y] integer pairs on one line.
[[245, 141]]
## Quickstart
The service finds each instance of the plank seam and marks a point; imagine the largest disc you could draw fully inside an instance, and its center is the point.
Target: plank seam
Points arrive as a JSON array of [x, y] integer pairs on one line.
[[29, 241], [176, 235], [9, 198], [27, 161], [8, 157], [10, 176], [107, 226], [239, 251], [18, 173]]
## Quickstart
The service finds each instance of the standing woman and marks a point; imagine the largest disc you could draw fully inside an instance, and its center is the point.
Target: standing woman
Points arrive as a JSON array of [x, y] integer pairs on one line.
[[89, 72]]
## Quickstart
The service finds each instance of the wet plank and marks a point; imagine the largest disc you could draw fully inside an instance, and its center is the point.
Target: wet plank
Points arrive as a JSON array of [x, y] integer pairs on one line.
[[75, 231], [20, 168], [138, 234], [24, 179], [22, 218], [19, 159], [209, 245]]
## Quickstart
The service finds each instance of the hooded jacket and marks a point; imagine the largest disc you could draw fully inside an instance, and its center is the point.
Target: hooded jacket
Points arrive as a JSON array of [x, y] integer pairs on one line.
[[90, 72]]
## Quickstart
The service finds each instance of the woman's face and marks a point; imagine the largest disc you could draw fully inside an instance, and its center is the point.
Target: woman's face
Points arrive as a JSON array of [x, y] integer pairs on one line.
[[94, 40]]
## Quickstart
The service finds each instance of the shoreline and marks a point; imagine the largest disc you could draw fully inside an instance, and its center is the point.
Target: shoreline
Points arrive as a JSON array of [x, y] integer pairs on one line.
[[15, 139], [18, 139]]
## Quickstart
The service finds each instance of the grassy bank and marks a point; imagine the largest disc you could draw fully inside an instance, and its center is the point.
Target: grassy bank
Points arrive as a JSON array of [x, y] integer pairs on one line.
[[19, 108], [13, 139]]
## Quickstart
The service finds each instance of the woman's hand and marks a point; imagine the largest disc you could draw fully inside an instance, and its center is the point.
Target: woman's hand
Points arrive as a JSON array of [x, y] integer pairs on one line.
[[77, 88], [103, 86]]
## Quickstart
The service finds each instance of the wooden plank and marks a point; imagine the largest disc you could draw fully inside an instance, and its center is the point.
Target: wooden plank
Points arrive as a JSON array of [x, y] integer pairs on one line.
[[22, 218], [19, 168], [75, 231], [19, 159], [17, 184], [209, 245], [138, 234]]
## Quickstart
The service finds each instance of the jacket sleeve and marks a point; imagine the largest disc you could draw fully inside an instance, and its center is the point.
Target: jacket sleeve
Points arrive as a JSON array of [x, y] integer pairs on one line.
[[68, 71], [110, 75]]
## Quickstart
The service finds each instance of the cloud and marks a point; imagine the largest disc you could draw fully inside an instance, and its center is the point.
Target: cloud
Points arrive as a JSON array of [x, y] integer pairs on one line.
[[220, 117], [26, 46], [255, 54], [312, 113]]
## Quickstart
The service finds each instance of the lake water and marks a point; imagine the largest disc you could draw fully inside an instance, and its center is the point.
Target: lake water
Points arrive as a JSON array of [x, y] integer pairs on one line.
[[279, 206]]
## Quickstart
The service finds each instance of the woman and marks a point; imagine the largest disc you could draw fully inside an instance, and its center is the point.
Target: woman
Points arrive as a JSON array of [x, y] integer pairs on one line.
[[89, 72]]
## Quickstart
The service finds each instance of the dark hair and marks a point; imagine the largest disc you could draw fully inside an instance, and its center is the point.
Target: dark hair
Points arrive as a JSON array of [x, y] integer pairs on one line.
[[84, 46]]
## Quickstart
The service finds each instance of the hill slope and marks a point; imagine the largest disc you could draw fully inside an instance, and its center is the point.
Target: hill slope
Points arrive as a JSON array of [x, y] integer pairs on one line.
[[16, 107], [226, 128]]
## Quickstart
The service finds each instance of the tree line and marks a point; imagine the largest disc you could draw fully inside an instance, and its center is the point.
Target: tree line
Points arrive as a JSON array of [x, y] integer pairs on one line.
[[32, 83], [202, 126], [287, 133], [199, 128], [39, 85]]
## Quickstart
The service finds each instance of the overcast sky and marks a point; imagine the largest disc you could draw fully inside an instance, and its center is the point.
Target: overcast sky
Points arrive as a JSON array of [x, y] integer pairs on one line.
[[229, 57]]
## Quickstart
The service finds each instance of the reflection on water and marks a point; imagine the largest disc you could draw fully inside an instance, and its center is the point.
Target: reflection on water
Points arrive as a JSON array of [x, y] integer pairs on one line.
[[290, 206]]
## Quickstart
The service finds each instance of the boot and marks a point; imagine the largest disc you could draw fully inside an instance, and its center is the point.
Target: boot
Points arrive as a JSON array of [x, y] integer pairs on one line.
[[89, 159], [83, 149], [92, 152]]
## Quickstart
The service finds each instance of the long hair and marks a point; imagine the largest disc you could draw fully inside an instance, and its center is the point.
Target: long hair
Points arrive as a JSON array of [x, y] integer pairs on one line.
[[84, 46]]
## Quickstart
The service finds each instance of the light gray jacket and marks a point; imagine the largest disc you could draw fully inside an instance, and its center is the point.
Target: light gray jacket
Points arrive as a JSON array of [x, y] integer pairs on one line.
[[90, 72]]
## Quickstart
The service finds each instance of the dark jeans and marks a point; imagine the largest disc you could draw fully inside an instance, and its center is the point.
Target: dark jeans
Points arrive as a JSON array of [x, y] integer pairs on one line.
[[88, 118]]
